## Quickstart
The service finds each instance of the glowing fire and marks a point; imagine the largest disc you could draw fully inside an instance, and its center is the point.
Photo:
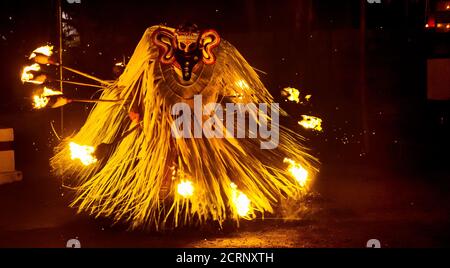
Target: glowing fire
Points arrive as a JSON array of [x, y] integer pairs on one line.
[[296, 170], [51, 92], [41, 101], [292, 94], [240, 201], [308, 97], [44, 50], [27, 76], [311, 122], [185, 188], [83, 153]]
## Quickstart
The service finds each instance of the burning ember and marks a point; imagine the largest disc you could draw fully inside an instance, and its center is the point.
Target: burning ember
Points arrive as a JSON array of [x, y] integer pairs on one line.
[[83, 153], [44, 50], [311, 122], [185, 188], [292, 94], [27, 76], [42, 100], [296, 170], [240, 201]]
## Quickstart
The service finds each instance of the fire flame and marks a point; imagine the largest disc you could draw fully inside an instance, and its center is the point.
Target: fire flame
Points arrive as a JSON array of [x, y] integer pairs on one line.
[[44, 50], [185, 188], [292, 94], [51, 92], [296, 170], [41, 101], [240, 201], [311, 122], [83, 153], [27, 76]]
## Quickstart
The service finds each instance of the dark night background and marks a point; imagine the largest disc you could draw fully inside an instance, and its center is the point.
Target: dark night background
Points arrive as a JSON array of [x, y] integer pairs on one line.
[[384, 142]]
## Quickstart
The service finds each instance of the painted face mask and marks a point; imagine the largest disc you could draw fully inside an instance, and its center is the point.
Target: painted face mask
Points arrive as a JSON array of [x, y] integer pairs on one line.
[[186, 47], [187, 53]]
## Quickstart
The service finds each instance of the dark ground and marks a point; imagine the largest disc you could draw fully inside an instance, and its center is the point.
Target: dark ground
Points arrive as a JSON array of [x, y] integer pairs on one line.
[[355, 203]]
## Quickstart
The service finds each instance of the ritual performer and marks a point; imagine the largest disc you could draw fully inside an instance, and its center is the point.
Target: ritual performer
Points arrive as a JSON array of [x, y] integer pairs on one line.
[[151, 171]]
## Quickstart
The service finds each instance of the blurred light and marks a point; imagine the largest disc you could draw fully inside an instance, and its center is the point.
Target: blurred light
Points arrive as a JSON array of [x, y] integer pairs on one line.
[[431, 22]]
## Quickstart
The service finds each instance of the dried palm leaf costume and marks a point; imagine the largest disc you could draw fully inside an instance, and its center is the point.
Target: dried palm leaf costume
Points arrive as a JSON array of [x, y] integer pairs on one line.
[[142, 163]]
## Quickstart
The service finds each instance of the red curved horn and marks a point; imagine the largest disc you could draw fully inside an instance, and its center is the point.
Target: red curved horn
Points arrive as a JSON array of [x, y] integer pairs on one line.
[[164, 39], [209, 40]]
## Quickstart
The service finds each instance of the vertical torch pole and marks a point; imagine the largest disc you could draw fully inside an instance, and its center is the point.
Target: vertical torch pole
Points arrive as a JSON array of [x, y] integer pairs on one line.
[[362, 75], [60, 33]]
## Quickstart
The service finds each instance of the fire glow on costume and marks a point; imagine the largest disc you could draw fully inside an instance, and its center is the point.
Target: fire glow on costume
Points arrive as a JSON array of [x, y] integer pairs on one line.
[[126, 165]]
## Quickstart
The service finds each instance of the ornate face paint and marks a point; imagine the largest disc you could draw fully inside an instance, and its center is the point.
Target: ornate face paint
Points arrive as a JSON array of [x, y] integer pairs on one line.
[[186, 47]]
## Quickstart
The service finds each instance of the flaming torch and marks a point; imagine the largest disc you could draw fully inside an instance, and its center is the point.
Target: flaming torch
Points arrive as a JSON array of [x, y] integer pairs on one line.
[[54, 99], [30, 75], [83, 153], [311, 122], [48, 96], [42, 55], [297, 171], [44, 50], [292, 94], [240, 201], [185, 188], [41, 101]]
